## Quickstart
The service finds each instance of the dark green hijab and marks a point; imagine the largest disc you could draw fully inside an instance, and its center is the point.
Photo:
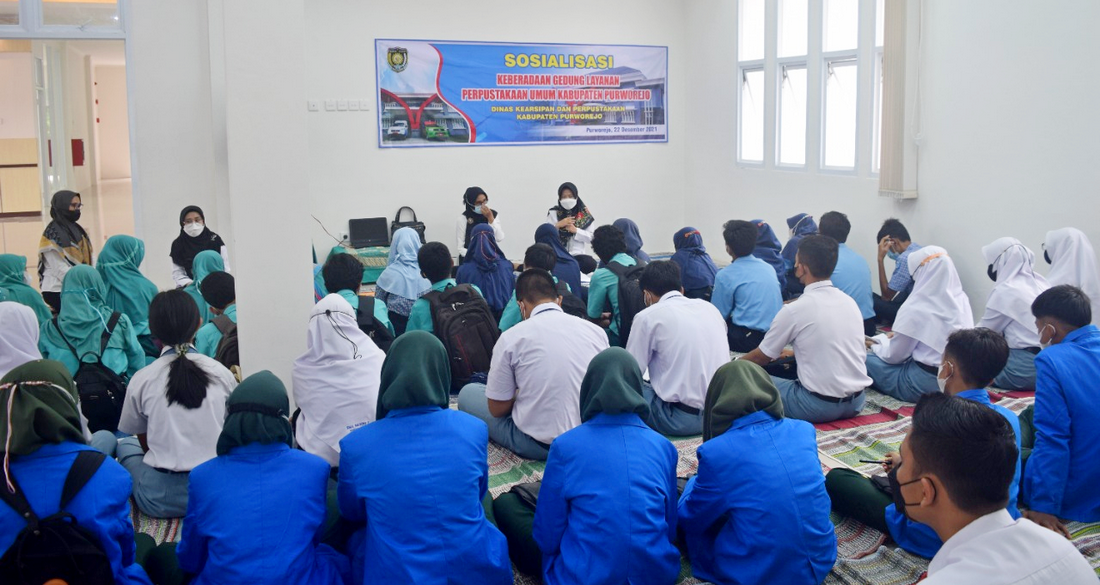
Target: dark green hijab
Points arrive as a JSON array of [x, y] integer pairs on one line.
[[612, 385], [256, 412], [416, 372], [738, 389], [40, 400]]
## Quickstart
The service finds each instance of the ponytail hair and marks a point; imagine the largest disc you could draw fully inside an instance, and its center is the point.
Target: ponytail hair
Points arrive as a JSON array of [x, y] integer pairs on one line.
[[174, 319]]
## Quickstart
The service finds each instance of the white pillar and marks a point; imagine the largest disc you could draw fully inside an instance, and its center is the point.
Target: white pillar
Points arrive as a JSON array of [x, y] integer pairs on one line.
[[266, 137]]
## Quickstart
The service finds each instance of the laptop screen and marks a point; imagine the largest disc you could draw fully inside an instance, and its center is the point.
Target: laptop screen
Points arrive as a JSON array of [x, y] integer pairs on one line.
[[369, 231]]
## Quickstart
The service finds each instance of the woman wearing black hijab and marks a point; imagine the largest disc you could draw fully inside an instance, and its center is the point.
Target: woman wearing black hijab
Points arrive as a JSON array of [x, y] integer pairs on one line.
[[194, 237], [64, 244], [573, 220], [477, 212]]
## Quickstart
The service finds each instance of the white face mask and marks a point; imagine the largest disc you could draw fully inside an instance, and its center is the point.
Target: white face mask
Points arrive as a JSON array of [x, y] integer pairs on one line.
[[193, 229], [942, 382], [567, 204], [1050, 341]]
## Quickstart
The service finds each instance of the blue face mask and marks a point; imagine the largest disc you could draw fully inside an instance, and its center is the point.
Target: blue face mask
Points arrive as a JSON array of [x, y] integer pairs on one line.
[[892, 255], [477, 209]]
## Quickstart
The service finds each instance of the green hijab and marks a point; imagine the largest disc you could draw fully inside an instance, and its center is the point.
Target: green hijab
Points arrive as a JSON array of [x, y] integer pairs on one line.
[[14, 288], [205, 263], [40, 400], [256, 412], [416, 372], [612, 385], [738, 389], [128, 291], [84, 314]]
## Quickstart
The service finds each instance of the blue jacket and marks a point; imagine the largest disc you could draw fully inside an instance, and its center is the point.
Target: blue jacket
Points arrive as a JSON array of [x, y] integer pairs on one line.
[[758, 511], [920, 539], [256, 516], [1062, 476], [607, 506], [416, 478], [102, 507]]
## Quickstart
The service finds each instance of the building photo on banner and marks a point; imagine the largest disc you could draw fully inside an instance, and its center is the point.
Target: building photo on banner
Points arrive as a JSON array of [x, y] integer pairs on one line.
[[452, 93]]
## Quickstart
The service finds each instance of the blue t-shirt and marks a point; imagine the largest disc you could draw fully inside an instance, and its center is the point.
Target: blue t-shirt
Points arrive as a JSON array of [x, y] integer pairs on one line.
[[852, 275], [901, 281], [747, 293]]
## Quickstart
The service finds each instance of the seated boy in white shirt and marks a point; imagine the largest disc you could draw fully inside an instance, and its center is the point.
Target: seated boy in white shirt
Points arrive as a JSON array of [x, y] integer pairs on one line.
[[826, 329], [681, 342], [957, 463]]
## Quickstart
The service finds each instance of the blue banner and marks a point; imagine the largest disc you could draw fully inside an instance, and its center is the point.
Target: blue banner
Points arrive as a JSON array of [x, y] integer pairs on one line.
[[449, 93]]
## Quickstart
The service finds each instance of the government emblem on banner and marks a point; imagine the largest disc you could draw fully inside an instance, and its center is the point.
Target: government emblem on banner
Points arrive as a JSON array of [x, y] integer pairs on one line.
[[398, 58]]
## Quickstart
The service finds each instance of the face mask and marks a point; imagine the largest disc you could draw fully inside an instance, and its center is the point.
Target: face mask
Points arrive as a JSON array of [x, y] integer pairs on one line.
[[1050, 341], [71, 215], [477, 209], [991, 273], [1046, 256], [193, 229], [892, 255], [567, 204], [942, 382], [899, 498]]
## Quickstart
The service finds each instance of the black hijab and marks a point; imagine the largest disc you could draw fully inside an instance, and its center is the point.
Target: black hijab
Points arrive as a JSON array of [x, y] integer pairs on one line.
[[579, 213], [185, 248], [63, 230], [472, 217]]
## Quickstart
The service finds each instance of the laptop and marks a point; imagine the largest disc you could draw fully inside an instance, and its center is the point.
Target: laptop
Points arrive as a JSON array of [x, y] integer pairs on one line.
[[369, 232]]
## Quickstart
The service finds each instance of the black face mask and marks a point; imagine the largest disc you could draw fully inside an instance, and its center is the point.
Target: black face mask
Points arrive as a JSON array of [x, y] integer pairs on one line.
[[899, 500], [71, 215], [1046, 256], [992, 273]]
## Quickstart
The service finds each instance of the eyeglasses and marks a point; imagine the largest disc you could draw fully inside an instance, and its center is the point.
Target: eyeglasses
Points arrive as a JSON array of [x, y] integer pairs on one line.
[[76, 205]]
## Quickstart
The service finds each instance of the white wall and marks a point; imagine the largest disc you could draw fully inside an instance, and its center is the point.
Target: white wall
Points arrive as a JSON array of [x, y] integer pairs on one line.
[[113, 132], [351, 177], [1009, 135], [17, 117]]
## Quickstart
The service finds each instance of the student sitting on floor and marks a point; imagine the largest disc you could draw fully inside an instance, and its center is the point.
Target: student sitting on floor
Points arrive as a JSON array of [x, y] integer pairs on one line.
[[256, 511], [826, 330], [486, 268], [343, 275], [219, 291], [893, 241], [606, 509], [1008, 310], [533, 391], [206, 263], [76, 334], [335, 380], [632, 236], [958, 461], [696, 266], [971, 359], [128, 291], [417, 477], [18, 336], [435, 264], [801, 225], [175, 406], [539, 256], [681, 342], [758, 511], [767, 248], [603, 291], [566, 268], [903, 363], [14, 286], [746, 292], [1073, 261], [42, 432], [1063, 428], [852, 275], [401, 283]]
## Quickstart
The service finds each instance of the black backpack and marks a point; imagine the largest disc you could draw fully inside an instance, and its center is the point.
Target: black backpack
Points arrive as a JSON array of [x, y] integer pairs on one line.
[[56, 547], [375, 329], [101, 390], [227, 353], [571, 304], [463, 321], [631, 299]]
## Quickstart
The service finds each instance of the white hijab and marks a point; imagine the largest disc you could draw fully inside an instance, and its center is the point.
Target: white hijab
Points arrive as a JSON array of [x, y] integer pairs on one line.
[[937, 306], [336, 380], [1017, 284], [1073, 261], [18, 336]]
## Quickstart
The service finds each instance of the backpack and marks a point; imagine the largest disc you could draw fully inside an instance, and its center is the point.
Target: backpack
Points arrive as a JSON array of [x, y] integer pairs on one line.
[[101, 390], [56, 547], [463, 321], [227, 352], [375, 329], [571, 304], [631, 299]]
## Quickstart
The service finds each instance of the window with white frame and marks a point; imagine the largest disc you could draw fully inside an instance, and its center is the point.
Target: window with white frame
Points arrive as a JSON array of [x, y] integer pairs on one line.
[[810, 91], [66, 19]]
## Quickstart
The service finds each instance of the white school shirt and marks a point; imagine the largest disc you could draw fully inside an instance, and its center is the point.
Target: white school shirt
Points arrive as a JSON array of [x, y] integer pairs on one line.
[[997, 550], [179, 438], [541, 362], [460, 233], [1018, 335], [682, 342], [179, 273], [579, 243], [895, 350], [826, 329]]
